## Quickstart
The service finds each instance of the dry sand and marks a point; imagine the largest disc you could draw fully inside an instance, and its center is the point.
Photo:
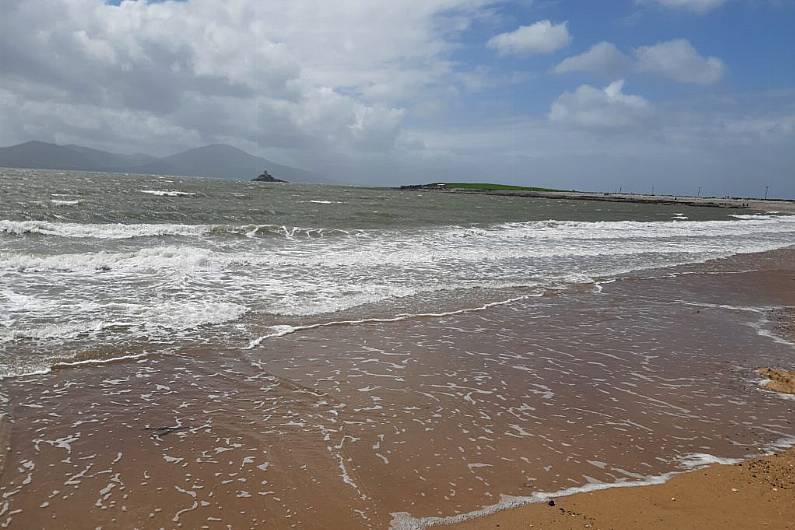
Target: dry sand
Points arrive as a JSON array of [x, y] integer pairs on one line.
[[754, 494], [779, 380]]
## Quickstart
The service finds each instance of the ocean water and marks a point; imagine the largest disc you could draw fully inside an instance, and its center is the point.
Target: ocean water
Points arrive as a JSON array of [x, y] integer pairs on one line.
[[99, 265]]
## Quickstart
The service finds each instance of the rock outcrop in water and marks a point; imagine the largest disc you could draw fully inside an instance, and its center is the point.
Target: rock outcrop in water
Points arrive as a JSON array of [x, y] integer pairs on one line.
[[267, 177]]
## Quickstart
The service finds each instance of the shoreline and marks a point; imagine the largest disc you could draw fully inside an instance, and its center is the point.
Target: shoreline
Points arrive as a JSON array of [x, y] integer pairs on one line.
[[343, 426], [752, 493], [280, 330], [711, 495], [785, 206]]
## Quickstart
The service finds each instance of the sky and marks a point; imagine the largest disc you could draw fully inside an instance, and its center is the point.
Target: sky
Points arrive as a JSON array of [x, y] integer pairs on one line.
[[622, 94]]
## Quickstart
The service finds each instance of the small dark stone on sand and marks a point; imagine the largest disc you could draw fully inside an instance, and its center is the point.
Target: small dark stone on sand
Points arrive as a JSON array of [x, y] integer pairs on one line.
[[162, 431], [551, 502]]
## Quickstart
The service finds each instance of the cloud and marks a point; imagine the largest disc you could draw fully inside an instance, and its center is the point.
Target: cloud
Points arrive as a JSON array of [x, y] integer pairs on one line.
[[717, 142], [306, 76], [541, 37], [697, 6], [372, 92], [595, 108], [678, 60], [603, 58]]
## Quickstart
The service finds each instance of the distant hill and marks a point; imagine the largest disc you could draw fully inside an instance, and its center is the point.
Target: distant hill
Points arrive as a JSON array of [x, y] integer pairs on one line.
[[219, 161], [112, 159], [41, 155], [223, 161]]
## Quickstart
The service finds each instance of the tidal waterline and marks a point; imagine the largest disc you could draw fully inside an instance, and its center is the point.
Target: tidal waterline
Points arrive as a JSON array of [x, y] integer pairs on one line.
[[95, 264], [408, 422]]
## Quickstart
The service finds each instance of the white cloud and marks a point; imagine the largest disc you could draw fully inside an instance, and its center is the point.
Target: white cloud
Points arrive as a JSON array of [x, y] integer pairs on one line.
[[305, 75], [698, 6], [365, 90], [678, 60], [677, 145], [595, 108], [541, 37], [603, 58]]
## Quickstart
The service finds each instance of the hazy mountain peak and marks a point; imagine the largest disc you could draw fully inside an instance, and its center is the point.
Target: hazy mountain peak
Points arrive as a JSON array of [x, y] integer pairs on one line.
[[214, 160]]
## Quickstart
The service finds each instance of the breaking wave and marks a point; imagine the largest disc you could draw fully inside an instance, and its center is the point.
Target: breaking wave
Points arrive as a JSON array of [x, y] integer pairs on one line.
[[537, 230], [131, 231], [109, 282]]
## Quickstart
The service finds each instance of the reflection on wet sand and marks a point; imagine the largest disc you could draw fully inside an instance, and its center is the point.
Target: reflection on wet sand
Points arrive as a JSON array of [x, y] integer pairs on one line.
[[343, 426]]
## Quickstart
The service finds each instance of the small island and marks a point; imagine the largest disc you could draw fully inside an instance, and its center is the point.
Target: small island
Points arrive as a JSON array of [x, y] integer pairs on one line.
[[267, 177], [477, 186]]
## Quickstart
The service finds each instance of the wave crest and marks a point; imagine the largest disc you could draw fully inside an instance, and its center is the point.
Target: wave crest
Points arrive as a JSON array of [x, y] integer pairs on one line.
[[130, 231]]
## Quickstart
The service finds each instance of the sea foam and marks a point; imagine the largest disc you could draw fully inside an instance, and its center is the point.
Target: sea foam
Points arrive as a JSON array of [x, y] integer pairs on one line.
[[689, 462], [301, 272]]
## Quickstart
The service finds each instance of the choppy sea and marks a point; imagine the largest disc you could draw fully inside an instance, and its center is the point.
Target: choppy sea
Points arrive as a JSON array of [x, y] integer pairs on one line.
[[93, 265]]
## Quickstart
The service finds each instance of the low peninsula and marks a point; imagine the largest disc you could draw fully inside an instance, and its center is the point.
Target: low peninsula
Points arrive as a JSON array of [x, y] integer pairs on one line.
[[783, 206]]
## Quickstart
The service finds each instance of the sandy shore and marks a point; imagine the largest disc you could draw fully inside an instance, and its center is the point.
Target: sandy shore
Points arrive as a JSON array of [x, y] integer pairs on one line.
[[345, 426], [758, 493]]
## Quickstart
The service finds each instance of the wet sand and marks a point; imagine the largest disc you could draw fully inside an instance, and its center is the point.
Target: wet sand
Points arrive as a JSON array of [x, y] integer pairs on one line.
[[392, 423]]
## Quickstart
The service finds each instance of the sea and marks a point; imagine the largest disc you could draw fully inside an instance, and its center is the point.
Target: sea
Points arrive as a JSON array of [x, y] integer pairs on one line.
[[94, 266]]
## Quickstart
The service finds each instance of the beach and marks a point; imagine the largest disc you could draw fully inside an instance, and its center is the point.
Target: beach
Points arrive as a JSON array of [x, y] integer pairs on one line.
[[257, 355], [414, 265], [418, 421], [759, 493]]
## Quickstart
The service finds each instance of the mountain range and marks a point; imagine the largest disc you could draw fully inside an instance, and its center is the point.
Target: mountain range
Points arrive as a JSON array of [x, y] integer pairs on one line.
[[218, 160]]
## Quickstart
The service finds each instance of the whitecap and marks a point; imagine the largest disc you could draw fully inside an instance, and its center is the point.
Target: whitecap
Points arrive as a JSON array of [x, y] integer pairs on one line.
[[168, 193]]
